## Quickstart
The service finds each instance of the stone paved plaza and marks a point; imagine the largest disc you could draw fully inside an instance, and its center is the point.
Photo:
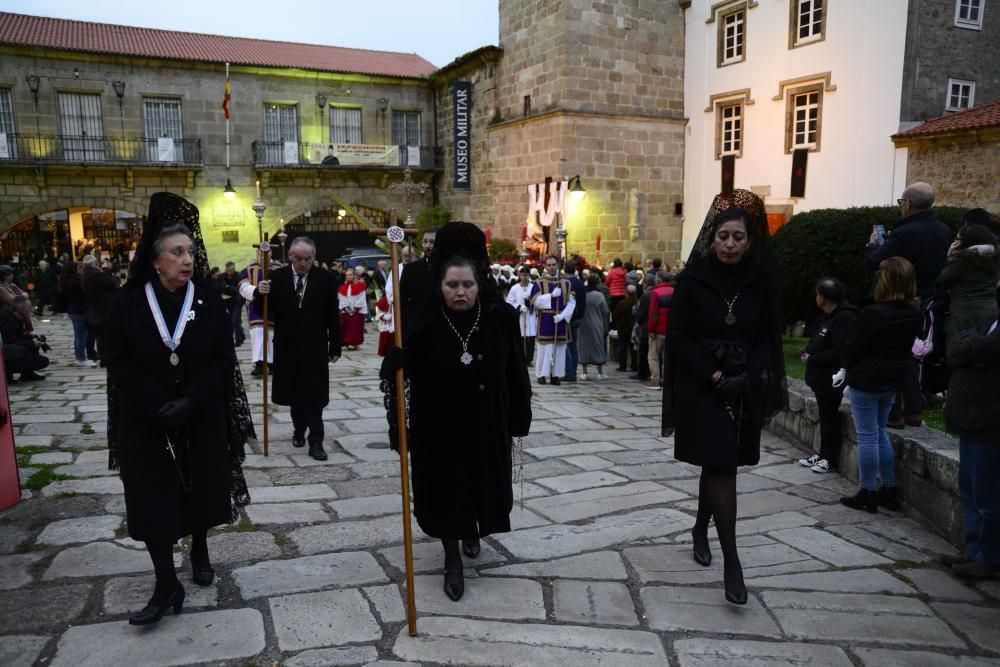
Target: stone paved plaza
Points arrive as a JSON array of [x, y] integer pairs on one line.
[[598, 568]]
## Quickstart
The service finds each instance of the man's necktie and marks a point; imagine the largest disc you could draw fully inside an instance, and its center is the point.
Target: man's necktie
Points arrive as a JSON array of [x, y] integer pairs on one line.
[[300, 287]]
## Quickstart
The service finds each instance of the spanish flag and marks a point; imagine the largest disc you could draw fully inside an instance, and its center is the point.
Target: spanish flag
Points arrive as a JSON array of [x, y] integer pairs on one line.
[[227, 97]]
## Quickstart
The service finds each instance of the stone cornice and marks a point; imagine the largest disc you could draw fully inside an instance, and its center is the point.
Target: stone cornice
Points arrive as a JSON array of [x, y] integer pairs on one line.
[[570, 113]]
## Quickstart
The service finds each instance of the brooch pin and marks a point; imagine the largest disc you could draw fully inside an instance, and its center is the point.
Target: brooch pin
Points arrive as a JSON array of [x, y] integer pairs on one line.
[[190, 317]]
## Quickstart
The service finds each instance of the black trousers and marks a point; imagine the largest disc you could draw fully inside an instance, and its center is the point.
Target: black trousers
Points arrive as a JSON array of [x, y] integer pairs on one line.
[[528, 346], [308, 417], [829, 425], [236, 315], [910, 401], [19, 359], [643, 353]]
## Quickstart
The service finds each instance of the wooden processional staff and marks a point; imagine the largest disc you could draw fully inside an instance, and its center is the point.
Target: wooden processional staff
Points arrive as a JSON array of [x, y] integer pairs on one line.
[[265, 265], [396, 236]]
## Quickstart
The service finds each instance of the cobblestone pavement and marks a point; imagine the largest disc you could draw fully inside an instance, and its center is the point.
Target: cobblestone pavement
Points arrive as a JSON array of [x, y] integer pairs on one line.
[[598, 568]]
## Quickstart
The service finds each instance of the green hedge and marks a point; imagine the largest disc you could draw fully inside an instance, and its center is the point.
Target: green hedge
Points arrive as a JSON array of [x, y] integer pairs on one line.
[[832, 242]]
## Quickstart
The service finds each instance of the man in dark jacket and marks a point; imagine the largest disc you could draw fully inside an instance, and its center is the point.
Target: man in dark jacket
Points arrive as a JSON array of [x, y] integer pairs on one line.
[[306, 340], [823, 357], [971, 412], [415, 286], [642, 321], [580, 294], [228, 285], [923, 240], [20, 349]]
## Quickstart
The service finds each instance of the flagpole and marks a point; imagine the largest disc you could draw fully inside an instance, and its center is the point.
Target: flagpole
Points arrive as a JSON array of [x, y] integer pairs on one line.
[[227, 119]]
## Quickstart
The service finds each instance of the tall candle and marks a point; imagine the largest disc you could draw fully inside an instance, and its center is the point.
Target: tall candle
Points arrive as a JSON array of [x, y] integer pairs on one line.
[[489, 235], [598, 243], [258, 189], [524, 233]]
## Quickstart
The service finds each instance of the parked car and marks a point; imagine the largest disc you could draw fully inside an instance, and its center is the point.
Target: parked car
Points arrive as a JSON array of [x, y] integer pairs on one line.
[[370, 257]]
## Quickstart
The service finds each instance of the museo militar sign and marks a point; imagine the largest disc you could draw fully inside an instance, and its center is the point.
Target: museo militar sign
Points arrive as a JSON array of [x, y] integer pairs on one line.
[[461, 100]]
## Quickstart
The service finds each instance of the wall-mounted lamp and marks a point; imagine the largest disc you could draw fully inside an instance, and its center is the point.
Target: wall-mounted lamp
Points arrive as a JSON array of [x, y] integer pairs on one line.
[[119, 87], [321, 103], [33, 83], [228, 191], [576, 190]]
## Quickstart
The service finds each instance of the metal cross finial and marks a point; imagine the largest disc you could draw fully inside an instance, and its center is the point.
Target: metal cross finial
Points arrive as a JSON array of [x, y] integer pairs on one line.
[[408, 187]]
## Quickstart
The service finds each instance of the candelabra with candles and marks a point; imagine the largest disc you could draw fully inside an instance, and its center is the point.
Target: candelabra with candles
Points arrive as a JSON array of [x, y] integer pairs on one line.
[[258, 208]]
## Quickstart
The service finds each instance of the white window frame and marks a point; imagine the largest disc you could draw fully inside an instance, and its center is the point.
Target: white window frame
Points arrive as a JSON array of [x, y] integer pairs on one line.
[[280, 119], [346, 125], [8, 124], [817, 19], [812, 114], [409, 124], [970, 5], [81, 126], [162, 117], [952, 84], [737, 21], [731, 129]]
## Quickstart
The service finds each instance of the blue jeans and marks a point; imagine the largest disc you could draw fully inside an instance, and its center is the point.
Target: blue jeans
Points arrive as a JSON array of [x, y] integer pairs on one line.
[[79, 336], [573, 351], [978, 468], [875, 455]]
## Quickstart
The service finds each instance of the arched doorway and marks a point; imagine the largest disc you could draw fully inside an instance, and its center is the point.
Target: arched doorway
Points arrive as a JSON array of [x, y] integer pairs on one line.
[[336, 230], [106, 232]]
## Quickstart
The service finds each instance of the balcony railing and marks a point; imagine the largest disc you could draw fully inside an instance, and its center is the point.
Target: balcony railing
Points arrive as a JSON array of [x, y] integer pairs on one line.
[[69, 149], [345, 156]]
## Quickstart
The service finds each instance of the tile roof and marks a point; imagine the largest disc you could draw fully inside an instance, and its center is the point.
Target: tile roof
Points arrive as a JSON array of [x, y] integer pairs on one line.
[[976, 118], [50, 33]]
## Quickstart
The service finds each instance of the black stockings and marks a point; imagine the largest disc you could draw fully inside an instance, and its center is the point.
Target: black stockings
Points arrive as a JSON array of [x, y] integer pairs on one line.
[[717, 497], [452, 557], [199, 548], [162, 554]]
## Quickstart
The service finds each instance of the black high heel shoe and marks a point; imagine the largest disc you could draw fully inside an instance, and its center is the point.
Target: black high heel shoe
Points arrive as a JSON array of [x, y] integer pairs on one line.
[[702, 553], [471, 548], [736, 590], [454, 584], [202, 574], [154, 611]]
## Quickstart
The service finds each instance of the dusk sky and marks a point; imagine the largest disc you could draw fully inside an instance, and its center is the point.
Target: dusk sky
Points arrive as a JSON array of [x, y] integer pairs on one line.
[[438, 30]]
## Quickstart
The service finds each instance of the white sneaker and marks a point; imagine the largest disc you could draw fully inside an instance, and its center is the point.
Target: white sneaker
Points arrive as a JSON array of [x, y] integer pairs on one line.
[[87, 363], [821, 466], [602, 376], [810, 462], [584, 376]]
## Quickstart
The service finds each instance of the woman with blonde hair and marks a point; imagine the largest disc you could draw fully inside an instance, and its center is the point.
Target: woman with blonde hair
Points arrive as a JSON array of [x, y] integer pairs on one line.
[[877, 354]]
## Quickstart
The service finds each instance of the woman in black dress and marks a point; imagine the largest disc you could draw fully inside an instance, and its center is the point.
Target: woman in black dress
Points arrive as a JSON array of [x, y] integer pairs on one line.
[[177, 412], [469, 397], [725, 369]]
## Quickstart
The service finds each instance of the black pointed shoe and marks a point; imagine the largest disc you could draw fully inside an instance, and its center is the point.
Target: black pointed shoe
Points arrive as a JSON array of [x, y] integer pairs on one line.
[[202, 574], [471, 548], [736, 590], [454, 584], [702, 553], [155, 610], [317, 452], [862, 500]]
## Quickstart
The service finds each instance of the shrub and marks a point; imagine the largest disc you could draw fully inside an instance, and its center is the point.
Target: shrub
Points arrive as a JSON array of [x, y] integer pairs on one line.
[[831, 242], [502, 250]]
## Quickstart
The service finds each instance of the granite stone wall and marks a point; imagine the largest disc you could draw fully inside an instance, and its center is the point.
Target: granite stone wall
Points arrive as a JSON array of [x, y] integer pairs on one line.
[[963, 174]]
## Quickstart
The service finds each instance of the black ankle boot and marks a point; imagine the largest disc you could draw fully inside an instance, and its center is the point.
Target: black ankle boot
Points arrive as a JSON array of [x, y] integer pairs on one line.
[[471, 547], [736, 590], [888, 499], [862, 500], [454, 583], [702, 553], [158, 606]]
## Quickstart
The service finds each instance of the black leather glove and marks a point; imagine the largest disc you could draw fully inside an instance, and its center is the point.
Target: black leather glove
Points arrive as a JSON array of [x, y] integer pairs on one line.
[[731, 387], [395, 359], [175, 414]]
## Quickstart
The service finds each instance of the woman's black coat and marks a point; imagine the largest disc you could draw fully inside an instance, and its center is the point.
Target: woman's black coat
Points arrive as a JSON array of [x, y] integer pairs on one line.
[[705, 434], [462, 420], [158, 509], [826, 348], [879, 349], [974, 390], [304, 338]]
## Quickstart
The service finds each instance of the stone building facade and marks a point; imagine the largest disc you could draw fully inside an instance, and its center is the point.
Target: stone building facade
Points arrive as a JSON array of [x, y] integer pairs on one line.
[[283, 115], [578, 87], [959, 155], [949, 41]]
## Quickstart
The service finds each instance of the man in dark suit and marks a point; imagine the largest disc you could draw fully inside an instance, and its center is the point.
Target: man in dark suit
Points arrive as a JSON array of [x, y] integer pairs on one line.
[[303, 301], [415, 285]]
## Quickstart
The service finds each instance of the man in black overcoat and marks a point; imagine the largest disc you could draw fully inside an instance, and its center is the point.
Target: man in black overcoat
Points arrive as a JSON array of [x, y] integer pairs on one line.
[[416, 286], [303, 303]]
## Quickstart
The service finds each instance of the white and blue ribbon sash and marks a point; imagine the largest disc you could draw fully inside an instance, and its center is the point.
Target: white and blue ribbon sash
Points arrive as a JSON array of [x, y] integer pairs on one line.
[[170, 341]]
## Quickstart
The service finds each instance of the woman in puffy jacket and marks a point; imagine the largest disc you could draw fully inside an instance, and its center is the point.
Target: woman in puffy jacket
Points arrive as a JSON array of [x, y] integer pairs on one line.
[[971, 278]]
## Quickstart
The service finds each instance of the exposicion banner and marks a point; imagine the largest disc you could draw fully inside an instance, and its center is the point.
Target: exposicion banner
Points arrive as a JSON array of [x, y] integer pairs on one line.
[[461, 100]]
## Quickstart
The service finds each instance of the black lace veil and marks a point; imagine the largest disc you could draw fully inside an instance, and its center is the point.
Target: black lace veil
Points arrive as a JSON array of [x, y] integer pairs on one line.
[[167, 209]]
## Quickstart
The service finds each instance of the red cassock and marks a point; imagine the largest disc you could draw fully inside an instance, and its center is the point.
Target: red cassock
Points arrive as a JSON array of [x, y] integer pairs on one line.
[[353, 307]]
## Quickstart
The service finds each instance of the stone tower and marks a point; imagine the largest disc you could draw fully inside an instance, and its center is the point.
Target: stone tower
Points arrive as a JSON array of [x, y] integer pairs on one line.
[[582, 87]]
